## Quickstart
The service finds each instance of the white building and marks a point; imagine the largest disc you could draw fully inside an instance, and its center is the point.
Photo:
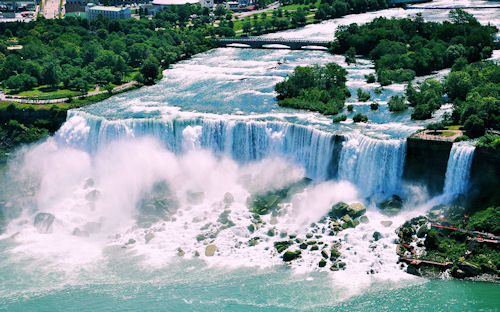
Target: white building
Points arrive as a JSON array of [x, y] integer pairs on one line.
[[92, 11], [203, 3]]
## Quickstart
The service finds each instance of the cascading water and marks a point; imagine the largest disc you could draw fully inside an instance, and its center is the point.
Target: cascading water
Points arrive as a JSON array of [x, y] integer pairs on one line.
[[458, 170], [375, 166]]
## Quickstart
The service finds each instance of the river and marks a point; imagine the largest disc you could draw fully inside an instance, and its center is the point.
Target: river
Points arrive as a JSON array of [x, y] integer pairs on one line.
[[200, 142]]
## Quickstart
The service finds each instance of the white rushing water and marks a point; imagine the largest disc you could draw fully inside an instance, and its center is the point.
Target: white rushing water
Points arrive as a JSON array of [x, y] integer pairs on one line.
[[458, 169], [148, 179]]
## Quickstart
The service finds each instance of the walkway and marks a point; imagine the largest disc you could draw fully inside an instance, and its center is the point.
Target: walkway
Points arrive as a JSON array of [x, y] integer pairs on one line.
[[122, 87]]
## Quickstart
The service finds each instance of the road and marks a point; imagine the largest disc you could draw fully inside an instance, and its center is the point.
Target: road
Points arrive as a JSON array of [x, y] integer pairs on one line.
[[51, 8], [270, 7]]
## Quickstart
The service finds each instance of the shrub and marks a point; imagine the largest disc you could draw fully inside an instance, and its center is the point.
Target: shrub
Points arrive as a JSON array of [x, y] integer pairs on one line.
[[350, 107], [374, 106], [360, 118], [340, 118], [397, 104]]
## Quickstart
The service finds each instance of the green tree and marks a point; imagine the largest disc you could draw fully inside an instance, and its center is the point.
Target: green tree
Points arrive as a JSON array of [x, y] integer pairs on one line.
[[397, 104], [458, 84], [150, 70]]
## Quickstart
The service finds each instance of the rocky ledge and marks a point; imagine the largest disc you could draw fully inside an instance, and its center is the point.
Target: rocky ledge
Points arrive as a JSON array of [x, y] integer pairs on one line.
[[449, 242]]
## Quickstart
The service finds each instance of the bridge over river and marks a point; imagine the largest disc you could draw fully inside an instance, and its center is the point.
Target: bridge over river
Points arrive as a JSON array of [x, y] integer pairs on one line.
[[260, 43]]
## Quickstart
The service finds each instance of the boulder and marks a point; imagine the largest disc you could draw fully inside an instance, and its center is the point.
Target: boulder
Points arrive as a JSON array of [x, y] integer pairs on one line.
[[364, 219], [356, 210], [322, 263], [413, 270], [386, 223], [148, 237], [324, 254], [314, 247], [210, 250], [391, 206], [469, 268], [43, 222], [303, 246], [228, 198], [291, 255], [338, 210], [80, 233], [92, 196], [422, 231], [376, 236]]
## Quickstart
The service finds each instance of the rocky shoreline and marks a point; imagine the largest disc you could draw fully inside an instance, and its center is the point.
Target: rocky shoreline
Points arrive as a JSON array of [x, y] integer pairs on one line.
[[448, 243]]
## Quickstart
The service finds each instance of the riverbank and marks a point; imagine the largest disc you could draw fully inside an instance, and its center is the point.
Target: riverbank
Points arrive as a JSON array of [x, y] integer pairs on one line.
[[24, 122]]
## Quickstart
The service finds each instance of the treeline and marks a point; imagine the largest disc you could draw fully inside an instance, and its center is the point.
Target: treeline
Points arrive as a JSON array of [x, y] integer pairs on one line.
[[326, 9], [316, 88], [404, 48], [75, 54]]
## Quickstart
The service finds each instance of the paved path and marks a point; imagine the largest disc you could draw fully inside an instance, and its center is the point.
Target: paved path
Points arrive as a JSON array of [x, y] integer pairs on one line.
[[122, 87]]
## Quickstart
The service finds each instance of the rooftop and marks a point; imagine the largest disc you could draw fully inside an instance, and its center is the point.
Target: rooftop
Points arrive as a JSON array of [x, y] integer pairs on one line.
[[106, 8], [173, 2]]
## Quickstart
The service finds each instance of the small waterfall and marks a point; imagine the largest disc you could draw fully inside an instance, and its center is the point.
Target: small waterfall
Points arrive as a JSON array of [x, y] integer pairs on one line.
[[458, 169], [375, 166]]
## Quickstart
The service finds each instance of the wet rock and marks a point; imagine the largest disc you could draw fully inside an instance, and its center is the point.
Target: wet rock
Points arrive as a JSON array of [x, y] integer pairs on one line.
[[322, 263], [376, 236], [195, 198], [342, 265], [251, 228], [271, 232], [197, 253], [273, 221], [291, 255], [228, 198], [469, 268], [282, 246], [92, 196], [210, 250], [180, 252], [458, 273], [356, 210], [88, 183], [254, 241], [422, 231], [314, 247], [80, 233], [413, 271], [391, 206], [334, 268], [148, 237], [311, 242], [309, 235], [338, 210], [324, 254], [386, 223], [364, 219], [334, 254], [130, 242], [43, 222], [303, 246]]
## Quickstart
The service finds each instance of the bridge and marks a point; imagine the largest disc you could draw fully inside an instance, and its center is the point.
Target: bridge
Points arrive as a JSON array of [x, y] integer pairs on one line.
[[262, 43]]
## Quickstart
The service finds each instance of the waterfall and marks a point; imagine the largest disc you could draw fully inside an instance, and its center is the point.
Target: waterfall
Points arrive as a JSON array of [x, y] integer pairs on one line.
[[458, 169], [375, 166]]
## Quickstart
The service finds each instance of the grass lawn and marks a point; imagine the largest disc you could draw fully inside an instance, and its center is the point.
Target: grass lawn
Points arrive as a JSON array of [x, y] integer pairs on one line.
[[447, 134], [45, 92], [454, 127]]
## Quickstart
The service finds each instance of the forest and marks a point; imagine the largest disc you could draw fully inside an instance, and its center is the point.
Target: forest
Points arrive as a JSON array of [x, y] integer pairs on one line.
[[317, 88], [75, 54], [404, 48]]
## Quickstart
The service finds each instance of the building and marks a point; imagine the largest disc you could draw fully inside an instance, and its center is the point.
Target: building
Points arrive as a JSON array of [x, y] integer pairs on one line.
[[75, 5], [164, 3], [92, 11]]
